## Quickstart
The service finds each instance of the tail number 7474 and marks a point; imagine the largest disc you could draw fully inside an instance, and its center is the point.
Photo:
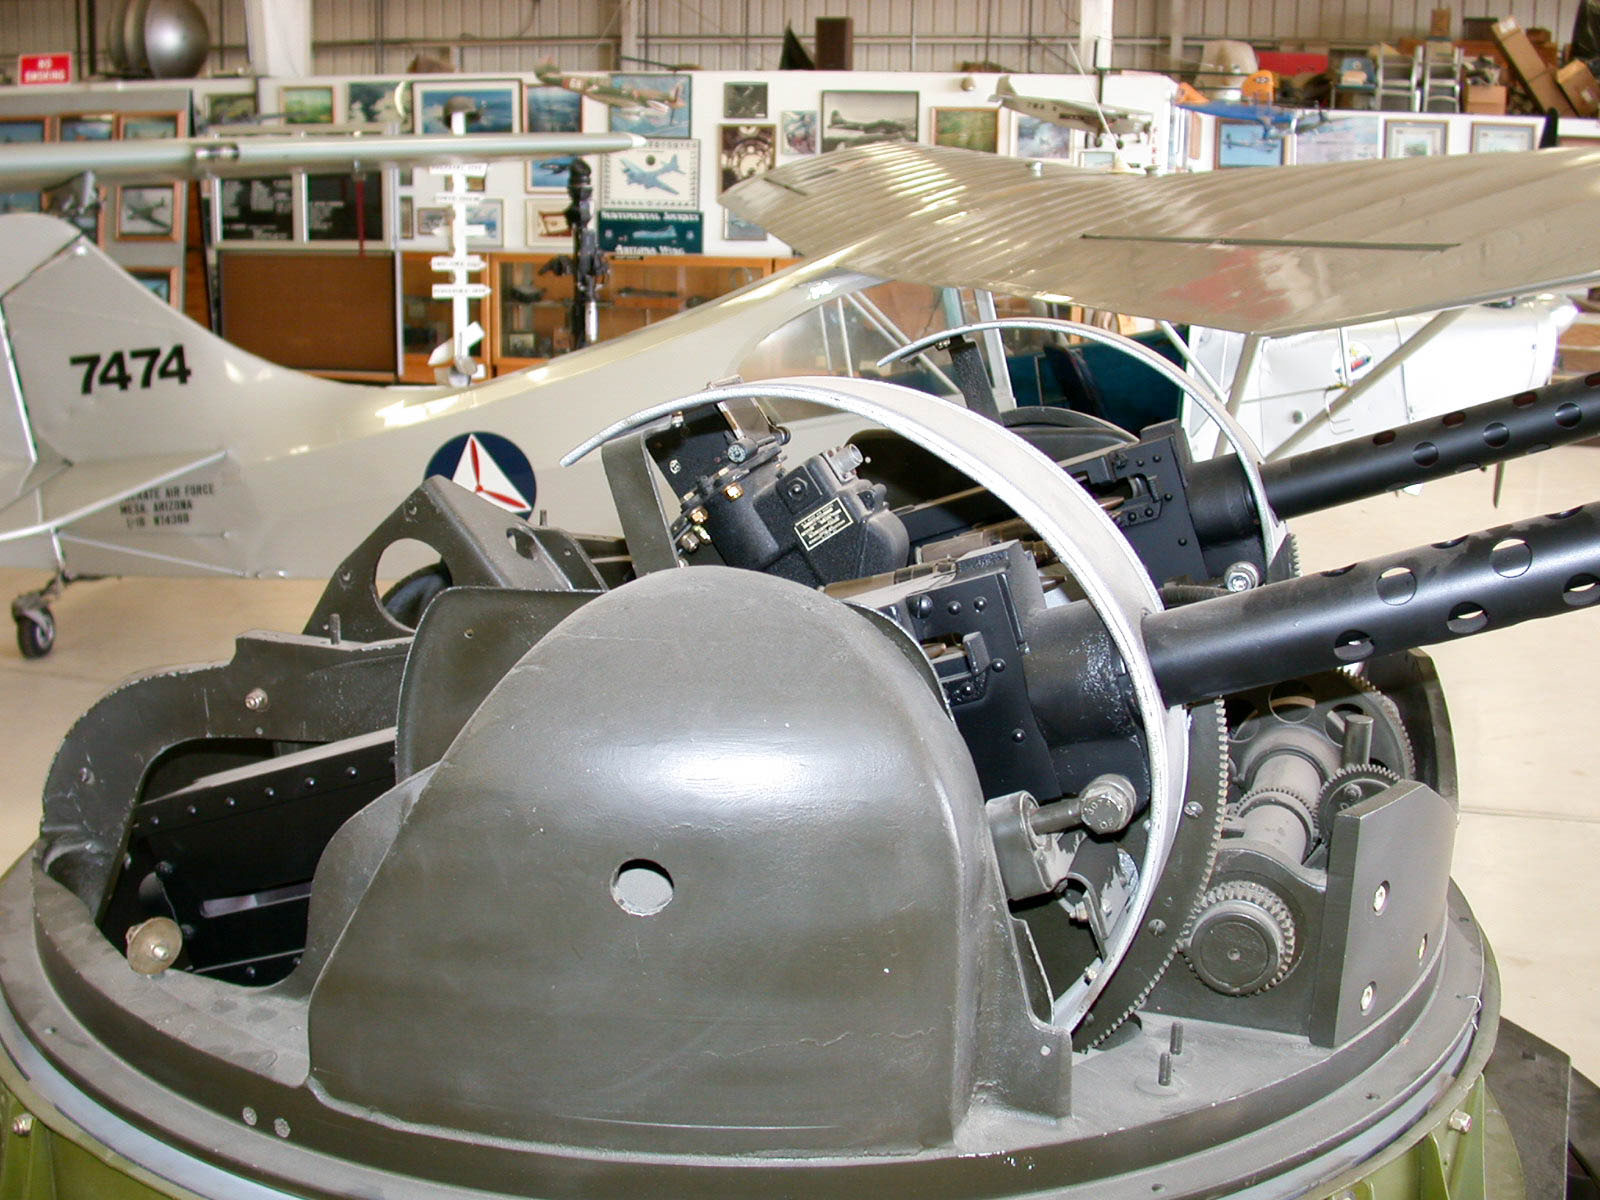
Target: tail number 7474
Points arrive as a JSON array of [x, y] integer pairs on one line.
[[124, 369]]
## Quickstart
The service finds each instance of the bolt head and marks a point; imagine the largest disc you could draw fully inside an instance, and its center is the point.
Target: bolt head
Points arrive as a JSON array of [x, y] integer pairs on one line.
[[256, 700], [22, 1124], [1461, 1121], [733, 491], [737, 453]]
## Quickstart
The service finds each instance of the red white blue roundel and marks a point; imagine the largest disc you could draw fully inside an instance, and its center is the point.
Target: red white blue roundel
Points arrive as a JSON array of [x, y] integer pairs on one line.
[[490, 466]]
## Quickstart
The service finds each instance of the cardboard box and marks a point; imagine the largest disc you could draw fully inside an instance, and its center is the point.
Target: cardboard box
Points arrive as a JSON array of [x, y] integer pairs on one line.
[[1484, 99], [1579, 86], [1529, 66], [1439, 23]]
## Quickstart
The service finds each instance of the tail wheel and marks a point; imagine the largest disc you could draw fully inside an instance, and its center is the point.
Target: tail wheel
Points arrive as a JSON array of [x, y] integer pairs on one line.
[[36, 632]]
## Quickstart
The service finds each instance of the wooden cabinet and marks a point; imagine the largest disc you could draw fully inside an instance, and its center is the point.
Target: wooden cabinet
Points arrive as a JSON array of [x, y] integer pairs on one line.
[[525, 320]]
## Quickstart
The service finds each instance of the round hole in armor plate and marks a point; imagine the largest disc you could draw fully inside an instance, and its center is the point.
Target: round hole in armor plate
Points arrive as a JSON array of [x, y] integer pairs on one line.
[[1467, 617], [1425, 454], [1581, 590], [1495, 435], [641, 887], [1511, 557], [1352, 646], [1397, 585]]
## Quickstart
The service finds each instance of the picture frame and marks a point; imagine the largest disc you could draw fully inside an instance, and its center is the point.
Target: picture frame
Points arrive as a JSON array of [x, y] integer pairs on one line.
[[407, 218], [378, 102], [1499, 137], [150, 126], [433, 221], [737, 229], [967, 128], [1414, 139], [230, 108], [669, 115], [798, 132], [1353, 138], [547, 109], [745, 151], [1242, 144], [310, 104], [260, 209], [545, 219], [863, 118], [161, 282], [86, 127], [497, 102], [744, 101], [21, 202], [1043, 139], [665, 175], [24, 129], [344, 208], [549, 174], [1096, 159], [147, 213]]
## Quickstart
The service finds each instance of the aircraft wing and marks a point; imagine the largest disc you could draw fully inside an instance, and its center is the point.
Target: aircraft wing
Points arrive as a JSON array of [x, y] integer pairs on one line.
[[82, 489], [27, 166], [1271, 251]]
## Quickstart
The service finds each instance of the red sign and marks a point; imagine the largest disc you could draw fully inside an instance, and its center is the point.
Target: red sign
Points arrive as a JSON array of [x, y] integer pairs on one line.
[[44, 68]]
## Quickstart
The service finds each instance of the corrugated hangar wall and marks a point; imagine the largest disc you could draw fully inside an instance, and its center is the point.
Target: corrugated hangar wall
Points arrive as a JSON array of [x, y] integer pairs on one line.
[[380, 36]]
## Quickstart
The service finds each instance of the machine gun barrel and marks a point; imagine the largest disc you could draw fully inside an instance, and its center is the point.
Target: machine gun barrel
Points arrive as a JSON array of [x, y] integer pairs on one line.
[[1346, 471], [1488, 580]]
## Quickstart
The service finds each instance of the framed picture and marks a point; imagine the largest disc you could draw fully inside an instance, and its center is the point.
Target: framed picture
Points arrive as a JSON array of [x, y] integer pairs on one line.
[[20, 202], [859, 118], [492, 104], [255, 210], [147, 214], [345, 208], [664, 175], [306, 105], [230, 108], [1097, 160], [407, 217], [737, 229], [1043, 139], [799, 132], [378, 101], [747, 151], [1494, 137], [149, 126], [1413, 139], [744, 101], [550, 174], [551, 110], [546, 219], [87, 127], [1243, 144], [433, 222], [1340, 139], [24, 129], [663, 105], [161, 282], [967, 128]]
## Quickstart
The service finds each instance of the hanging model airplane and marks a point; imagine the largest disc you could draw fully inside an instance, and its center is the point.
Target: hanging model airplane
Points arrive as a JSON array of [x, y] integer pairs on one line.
[[136, 442], [1087, 115], [1276, 120], [598, 87]]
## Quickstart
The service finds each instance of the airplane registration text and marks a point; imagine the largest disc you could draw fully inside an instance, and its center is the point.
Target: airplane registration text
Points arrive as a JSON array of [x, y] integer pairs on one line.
[[149, 364]]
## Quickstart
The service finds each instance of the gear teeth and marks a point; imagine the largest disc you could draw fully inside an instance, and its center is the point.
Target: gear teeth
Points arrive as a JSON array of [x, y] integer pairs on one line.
[[1269, 902], [1219, 812], [1328, 805]]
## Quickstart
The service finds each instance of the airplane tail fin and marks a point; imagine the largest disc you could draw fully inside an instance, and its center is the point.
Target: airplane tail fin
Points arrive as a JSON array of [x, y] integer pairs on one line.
[[1003, 86], [672, 165]]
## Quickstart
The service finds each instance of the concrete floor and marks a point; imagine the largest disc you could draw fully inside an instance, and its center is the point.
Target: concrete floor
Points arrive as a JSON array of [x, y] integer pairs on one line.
[[1523, 702]]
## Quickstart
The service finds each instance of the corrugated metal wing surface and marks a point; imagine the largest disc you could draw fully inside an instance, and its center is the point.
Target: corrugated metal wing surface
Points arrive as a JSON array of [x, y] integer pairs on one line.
[[1274, 251]]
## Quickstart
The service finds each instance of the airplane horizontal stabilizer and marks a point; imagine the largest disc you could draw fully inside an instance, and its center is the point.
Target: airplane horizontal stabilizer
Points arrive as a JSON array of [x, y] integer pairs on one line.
[[1274, 251], [83, 489]]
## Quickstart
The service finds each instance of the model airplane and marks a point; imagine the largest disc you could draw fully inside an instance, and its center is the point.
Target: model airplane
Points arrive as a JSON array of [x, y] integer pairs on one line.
[[1275, 120], [600, 88], [1087, 115], [643, 177], [141, 444]]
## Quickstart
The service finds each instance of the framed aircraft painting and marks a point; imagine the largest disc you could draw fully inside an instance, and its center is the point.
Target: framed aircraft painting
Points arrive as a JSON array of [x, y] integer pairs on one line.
[[662, 109], [858, 118], [746, 151], [147, 214], [663, 175], [799, 132], [1495, 137], [551, 110], [24, 129], [149, 126], [967, 128], [1242, 144], [312, 105], [381, 101], [161, 282]]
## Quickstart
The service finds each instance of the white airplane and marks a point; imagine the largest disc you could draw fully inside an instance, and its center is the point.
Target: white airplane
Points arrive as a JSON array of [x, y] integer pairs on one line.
[[134, 442], [1088, 115]]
